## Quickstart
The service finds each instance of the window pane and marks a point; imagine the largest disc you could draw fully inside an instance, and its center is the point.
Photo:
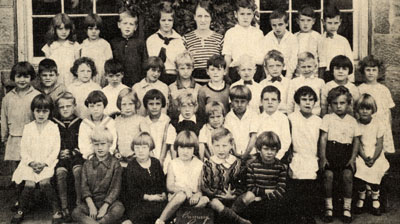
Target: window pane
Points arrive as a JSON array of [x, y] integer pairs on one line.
[[107, 6], [40, 27], [296, 4], [265, 26], [341, 4], [346, 28], [78, 6], [80, 32], [274, 4], [46, 7], [316, 27]]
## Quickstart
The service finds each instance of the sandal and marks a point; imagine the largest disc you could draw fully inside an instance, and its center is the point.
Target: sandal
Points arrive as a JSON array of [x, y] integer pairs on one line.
[[328, 218]]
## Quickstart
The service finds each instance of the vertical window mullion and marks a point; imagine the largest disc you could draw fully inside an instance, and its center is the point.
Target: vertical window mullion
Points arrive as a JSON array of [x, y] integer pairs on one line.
[[322, 17], [290, 16], [94, 7], [62, 6]]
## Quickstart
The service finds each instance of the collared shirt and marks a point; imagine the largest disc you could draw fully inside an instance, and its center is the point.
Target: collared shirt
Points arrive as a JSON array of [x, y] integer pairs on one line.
[[141, 89], [112, 95], [81, 91], [283, 87], [54, 92], [205, 136], [332, 84], [341, 130], [309, 42], [255, 89]]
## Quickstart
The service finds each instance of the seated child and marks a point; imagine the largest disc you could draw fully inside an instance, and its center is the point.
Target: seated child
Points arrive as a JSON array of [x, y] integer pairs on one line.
[[184, 177], [49, 84], [242, 121], [40, 145], [339, 143], [95, 102], [371, 162], [144, 183], [215, 115], [101, 182], [113, 74], [187, 120], [221, 182]]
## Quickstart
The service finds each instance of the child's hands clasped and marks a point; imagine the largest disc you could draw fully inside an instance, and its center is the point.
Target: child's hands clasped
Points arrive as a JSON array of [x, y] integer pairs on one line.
[[102, 211], [194, 199], [92, 211], [369, 161], [64, 154], [228, 194]]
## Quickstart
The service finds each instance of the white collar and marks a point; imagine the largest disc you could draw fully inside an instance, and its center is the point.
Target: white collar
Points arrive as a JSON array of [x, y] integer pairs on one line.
[[225, 162]]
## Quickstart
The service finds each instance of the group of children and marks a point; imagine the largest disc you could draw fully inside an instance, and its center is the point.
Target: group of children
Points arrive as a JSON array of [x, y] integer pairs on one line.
[[244, 144]]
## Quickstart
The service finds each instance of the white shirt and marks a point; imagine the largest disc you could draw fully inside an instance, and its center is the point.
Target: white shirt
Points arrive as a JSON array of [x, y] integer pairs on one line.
[[81, 91], [112, 96], [341, 130], [283, 87], [255, 89], [309, 42], [141, 89]]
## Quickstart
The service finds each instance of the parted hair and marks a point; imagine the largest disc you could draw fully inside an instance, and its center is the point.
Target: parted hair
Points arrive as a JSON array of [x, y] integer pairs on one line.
[[131, 94]]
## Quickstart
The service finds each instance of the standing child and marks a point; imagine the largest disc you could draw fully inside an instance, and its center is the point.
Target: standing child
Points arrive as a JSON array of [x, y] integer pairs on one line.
[[371, 162], [184, 177], [84, 70], [187, 119], [49, 84], [95, 47], [371, 68], [40, 145], [62, 46], [339, 143]]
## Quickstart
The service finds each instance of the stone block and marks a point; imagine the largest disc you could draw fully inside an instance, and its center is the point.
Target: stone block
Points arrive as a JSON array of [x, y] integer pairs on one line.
[[7, 56], [395, 27], [381, 13], [387, 48], [396, 8], [7, 25], [6, 3], [392, 82]]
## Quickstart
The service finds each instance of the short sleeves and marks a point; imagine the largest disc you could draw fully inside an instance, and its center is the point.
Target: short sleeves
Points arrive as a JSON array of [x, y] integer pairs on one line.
[[46, 50], [203, 135], [171, 135], [325, 124]]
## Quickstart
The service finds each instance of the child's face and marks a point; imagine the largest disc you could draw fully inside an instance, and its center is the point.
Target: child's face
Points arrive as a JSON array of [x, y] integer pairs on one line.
[[41, 115], [142, 152], [187, 110], [84, 73], [127, 25], [247, 70], [306, 104], [202, 18], [127, 106], [222, 147], [66, 107], [93, 32], [185, 153], [365, 113], [185, 71], [216, 74], [166, 22], [267, 154], [244, 16], [154, 107], [371, 73], [96, 109], [216, 119], [305, 23], [49, 78], [114, 79], [274, 67], [307, 68], [270, 102], [239, 106], [339, 105], [62, 32], [340, 73], [152, 75], [22, 81], [101, 148], [279, 26], [332, 24]]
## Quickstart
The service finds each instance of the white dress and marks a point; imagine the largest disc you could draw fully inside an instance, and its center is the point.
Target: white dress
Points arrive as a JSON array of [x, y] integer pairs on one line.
[[41, 147], [81, 91], [187, 176]]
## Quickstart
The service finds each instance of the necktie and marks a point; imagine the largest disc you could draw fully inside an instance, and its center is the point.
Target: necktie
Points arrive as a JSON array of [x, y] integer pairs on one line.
[[163, 51], [329, 35], [248, 82], [274, 79]]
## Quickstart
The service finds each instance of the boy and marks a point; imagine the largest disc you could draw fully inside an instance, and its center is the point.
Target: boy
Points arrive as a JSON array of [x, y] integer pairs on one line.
[[70, 159], [246, 69], [114, 74], [187, 120], [304, 163], [282, 40], [332, 44], [242, 121], [101, 183], [273, 120], [307, 69], [129, 49], [48, 79], [243, 38]]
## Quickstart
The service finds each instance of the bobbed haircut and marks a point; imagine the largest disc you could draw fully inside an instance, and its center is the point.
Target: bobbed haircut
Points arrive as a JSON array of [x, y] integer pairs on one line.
[[341, 61], [65, 96], [23, 68], [271, 89], [214, 107], [275, 55], [154, 62], [304, 91], [247, 4], [240, 92], [220, 133], [339, 91], [371, 61], [279, 14], [217, 61], [307, 10], [268, 139], [129, 93], [56, 22], [47, 65], [188, 139], [113, 66], [83, 60], [93, 20], [43, 101], [101, 133], [154, 94], [95, 97], [366, 101], [143, 138], [331, 12]]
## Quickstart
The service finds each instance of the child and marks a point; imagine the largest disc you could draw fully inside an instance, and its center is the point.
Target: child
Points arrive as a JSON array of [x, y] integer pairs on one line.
[[339, 143], [40, 145], [101, 182], [273, 66], [333, 44], [129, 49], [166, 43], [184, 82], [216, 89], [341, 66], [242, 121], [370, 68], [187, 120], [305, 127], [62, 46], [273, 120], [371, 162], [266, 181], [282, 40], [246, 69], [84, 70], [184, 177], [95, 47], [144, 182], [113, 74], [153, 68], [159, 127], [308, 76], [243, 38], [70, 159], [215, 114], [221, 182], [48, 79], [95, 103]]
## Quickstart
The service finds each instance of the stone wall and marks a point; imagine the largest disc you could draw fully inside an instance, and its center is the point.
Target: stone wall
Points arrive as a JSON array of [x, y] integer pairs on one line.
[[7, 38]]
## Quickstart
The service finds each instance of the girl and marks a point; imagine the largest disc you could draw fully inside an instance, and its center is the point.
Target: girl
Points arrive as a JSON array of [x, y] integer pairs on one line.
[[40, 145], [184, 176], [339, 143], [96, 47], [62, 46], [371, 68], [83, 69], [371, 162], [144, 182]]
